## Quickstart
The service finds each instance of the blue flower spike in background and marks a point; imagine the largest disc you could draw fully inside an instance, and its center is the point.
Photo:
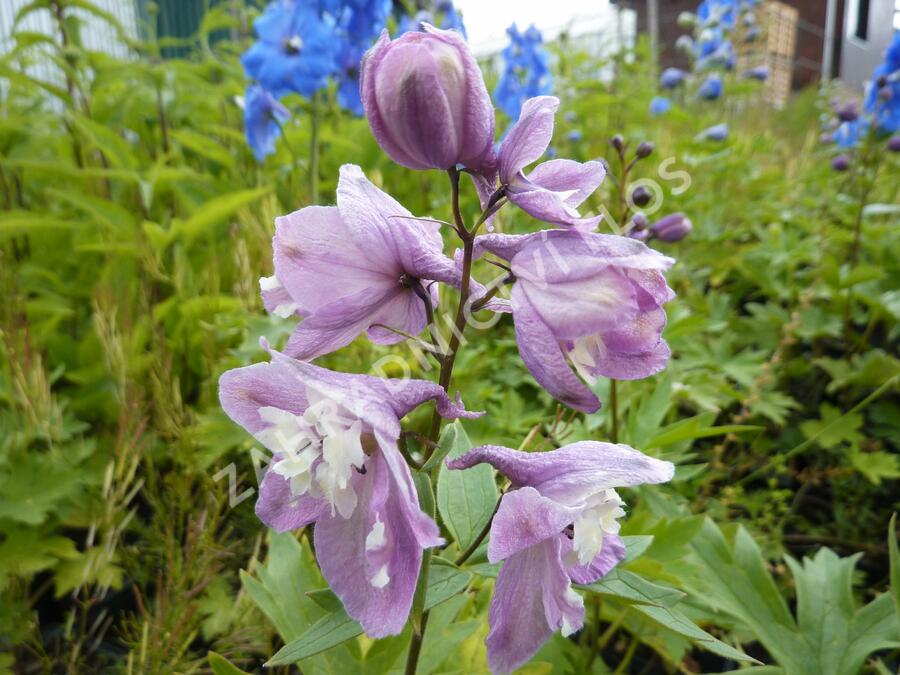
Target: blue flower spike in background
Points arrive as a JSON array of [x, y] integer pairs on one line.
[[526, 71]]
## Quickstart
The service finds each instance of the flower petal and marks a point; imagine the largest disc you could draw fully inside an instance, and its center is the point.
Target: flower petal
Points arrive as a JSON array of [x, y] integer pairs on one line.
[[382, 228], [626, 365], [533, 598], [526, 518], [336, 325], [317, 261], [243, 391], [281, 510], [612, 553], [573, 471], [371, 560], [551, 207], [541, 352], [379, 402], [566, 175], [529, 137]]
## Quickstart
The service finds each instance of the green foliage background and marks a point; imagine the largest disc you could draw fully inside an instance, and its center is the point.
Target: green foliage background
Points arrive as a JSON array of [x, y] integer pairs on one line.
[[135, 224]]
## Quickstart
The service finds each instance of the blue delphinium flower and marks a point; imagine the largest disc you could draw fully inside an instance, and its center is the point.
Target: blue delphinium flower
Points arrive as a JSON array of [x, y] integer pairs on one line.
[[450, 18], [717, 12], [358, 23], [294, 51], [660, 105], [348, 78], [575, 135], [672, 77], [718, 132], [526, 71], [447, 18], [263, 117], [851, 132], [712, 88], [883, 98]]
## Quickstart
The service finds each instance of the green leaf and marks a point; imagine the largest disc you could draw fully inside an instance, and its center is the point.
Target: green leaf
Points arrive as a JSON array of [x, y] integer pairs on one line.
[[338, 627], [840, 638], [690, 432], [105, 213], [833, 427], [115, 148], [280, 591], [449, 437], [632, 588], [204, 146], [465, 499], [678, 622], [894, 555], [215, 211], [28, 222], [636, 546], [877, 465], [222, 666], [732, 578]]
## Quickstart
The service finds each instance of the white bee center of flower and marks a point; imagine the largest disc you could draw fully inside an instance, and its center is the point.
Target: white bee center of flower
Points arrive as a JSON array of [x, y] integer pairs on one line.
[[318, 452], [295, 43], [595, 522]]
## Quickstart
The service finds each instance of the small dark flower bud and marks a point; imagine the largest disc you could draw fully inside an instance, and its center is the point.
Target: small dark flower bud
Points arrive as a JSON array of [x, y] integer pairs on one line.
[[671, 228], [617, 142], [847, 112], [639, 222], [640, 235], [826, 138], [641, 196], [881, 81], [644, 149], [840, 163], [894, 144]]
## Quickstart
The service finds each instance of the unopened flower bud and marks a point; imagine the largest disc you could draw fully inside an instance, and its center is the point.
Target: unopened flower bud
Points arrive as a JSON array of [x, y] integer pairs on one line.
[[671, 228], [426, 101], [687, 19], [617, 142], [894, 144], [881, 81], [644, 149], [847, 112], [641, 196], [684, 43], [885, 94], [640, 235], [840, 163], [639, 222]]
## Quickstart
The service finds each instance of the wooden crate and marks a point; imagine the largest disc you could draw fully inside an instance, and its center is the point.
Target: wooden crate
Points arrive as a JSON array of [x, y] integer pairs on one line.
[[775, 48], [781, 46]]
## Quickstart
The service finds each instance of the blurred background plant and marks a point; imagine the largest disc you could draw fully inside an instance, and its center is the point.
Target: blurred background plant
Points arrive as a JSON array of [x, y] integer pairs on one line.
[[136, 221]]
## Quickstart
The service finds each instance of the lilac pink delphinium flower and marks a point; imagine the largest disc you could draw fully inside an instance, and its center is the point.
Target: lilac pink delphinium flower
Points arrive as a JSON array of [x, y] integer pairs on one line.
[[361, 266], [336, 464], [592, 302], [557, 526], [426, 101]]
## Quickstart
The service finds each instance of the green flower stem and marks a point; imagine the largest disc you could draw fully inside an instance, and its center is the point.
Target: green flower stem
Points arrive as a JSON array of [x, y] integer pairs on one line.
[[314, 151], [444, 378]]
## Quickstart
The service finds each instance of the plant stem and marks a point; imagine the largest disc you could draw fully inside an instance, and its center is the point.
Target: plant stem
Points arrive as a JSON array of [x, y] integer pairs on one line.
[[444, 378], [471, 548], [460, 322], [613, 412], [314, 151]]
